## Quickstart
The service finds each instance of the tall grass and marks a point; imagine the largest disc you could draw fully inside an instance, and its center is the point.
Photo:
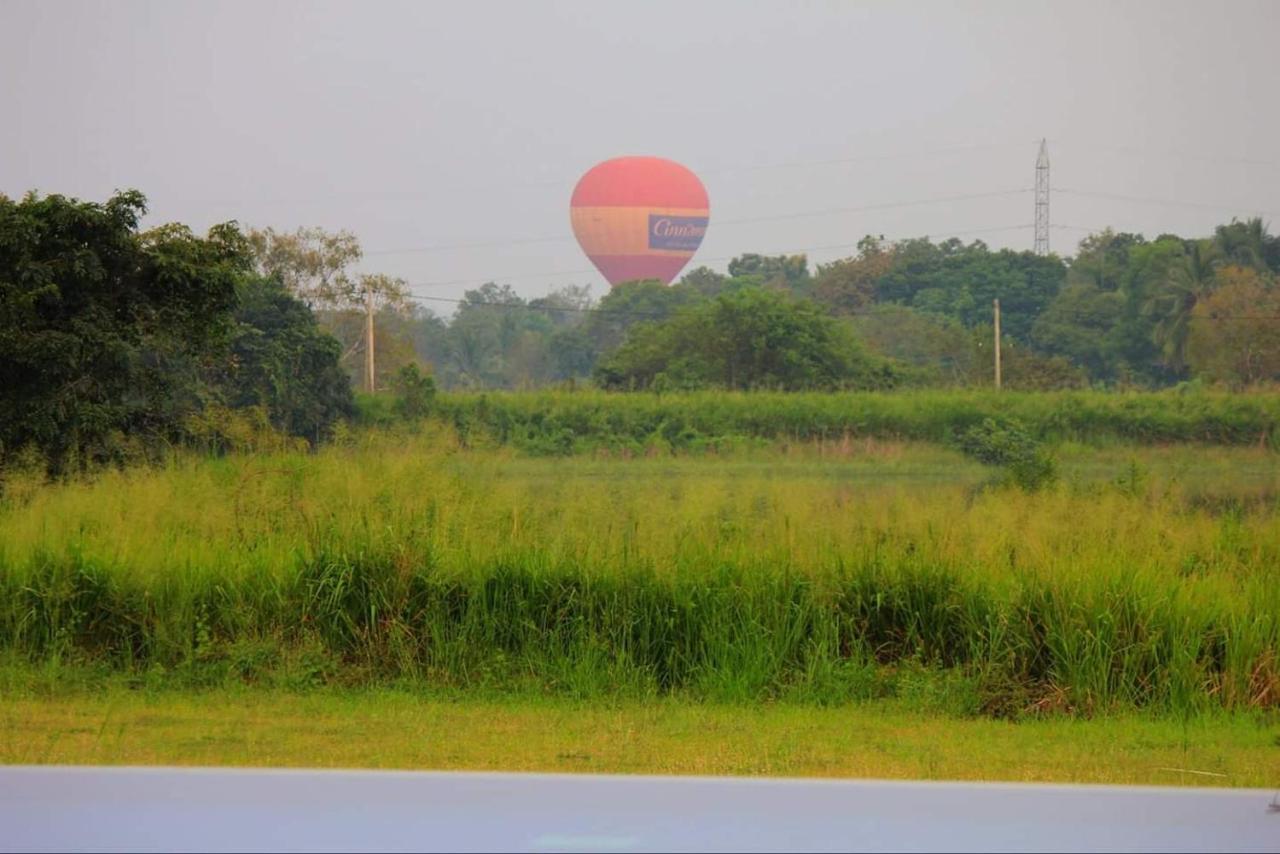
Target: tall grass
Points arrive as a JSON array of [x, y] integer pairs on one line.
[[552, 422], [410, 558]]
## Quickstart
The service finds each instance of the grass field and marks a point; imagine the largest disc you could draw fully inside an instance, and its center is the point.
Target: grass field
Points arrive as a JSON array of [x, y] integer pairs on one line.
[[840, 606], [386, 728], [816, 573]]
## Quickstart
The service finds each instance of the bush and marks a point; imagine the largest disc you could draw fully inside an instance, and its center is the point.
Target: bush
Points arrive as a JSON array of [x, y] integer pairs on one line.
[[1009, 445], [416, 393]]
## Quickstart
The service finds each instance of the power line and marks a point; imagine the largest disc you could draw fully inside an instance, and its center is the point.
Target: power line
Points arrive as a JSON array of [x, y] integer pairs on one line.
[[591, 270], [1146, 154], [1173, 203], [866, 158], [558, 238]]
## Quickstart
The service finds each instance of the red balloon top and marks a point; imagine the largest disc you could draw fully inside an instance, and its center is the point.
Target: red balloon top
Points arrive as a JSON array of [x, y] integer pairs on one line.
[[637, 182]]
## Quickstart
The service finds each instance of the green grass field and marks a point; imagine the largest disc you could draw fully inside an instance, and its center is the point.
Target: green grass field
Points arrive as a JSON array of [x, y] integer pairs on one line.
[[188, 613], [389, 728]]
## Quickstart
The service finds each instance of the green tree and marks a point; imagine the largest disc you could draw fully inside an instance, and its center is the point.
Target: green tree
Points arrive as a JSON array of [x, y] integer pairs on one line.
[[1078, 325], [788, 272], [415, 393], [104, 332], [961, 281], [704, 280], [632, 303], [1174, 297], [1247, 244], [756, 338], [939, 348], [281, 360]]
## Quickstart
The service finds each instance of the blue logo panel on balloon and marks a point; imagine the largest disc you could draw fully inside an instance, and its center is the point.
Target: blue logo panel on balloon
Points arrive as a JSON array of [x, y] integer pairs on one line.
[[676, 232]]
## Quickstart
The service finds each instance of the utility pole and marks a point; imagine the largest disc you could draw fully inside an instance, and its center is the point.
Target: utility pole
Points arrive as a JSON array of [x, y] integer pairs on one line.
[[1042, 200], [996, 305], [368, 339]]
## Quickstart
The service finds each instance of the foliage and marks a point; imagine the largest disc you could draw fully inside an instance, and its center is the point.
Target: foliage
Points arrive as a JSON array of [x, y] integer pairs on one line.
[[114, 344], [282, 362], [314, 265], [961, 281], [1078, 324], [415, 392], [1116, 313], [1170, 305], [584, 420], [784, 272], [753, 338], [104, 332], [848, 286], [939, 347], [1234, 334], [1007, 444]]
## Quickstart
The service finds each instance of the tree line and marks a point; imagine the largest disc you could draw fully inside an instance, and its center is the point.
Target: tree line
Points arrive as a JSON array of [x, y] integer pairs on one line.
[[1124, 311], [115, 341]]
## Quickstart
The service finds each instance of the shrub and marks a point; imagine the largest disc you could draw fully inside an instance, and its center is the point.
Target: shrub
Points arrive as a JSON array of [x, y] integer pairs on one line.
[[1008, 444], [416, 392]]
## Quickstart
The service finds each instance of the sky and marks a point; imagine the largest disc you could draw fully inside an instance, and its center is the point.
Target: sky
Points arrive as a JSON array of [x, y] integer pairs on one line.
[[449, 136]]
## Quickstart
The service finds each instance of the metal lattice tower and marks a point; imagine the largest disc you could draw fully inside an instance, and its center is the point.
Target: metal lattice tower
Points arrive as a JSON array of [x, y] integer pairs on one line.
[[1042, 200]]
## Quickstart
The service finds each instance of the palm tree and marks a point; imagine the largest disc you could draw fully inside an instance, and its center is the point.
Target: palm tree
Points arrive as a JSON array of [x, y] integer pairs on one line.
[[1244, 243], [1187, 280]]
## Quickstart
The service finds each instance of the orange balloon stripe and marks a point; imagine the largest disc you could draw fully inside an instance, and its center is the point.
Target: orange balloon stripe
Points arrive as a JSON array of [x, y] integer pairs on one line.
[[623, 230]]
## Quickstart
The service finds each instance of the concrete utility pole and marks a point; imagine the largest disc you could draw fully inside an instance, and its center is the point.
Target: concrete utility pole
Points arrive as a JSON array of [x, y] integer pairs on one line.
[[996, 305], [368, 339], [1042, 200]]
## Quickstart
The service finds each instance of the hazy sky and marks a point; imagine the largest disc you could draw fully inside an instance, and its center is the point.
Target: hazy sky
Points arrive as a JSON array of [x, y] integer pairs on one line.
[[432, 127]]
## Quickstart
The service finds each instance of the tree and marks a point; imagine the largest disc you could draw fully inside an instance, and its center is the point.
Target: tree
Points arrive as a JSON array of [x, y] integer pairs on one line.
[[1174, 298], [572, 353], [787, 272], [1247, 244], [314, 265], [939, 348], [631, 303], [415, 393], [961, 281], [704, 280], [749, 339], [1078, 325], [1234, 335], [105, 332], [281, 360], [849, 285], [564, 306]]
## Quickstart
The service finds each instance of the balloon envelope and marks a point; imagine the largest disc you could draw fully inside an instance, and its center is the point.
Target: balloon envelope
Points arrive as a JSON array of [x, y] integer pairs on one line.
[[639, 217]]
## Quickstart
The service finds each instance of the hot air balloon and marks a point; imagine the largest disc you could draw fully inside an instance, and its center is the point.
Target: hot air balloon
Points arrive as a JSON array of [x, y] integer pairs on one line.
[[639, 217]]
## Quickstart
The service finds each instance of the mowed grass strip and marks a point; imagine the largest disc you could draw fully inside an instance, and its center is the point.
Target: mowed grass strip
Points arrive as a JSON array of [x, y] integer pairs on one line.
[[401, 730]]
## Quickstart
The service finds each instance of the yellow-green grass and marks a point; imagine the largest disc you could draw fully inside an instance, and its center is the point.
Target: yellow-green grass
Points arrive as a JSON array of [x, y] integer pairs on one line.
[[803, 574], [395, 729]]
